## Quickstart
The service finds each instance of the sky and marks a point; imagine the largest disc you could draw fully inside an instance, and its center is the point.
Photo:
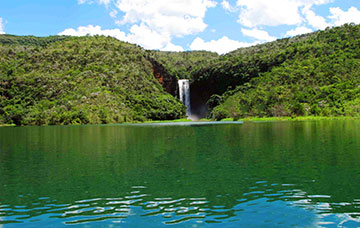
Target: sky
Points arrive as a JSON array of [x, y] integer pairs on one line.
[[177, 25]]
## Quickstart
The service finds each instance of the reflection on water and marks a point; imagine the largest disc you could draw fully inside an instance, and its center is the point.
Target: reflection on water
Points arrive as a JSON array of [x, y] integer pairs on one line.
[[300, 174]]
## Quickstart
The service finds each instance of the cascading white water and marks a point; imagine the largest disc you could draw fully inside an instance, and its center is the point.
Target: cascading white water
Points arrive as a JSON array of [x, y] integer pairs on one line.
[[184, 94]]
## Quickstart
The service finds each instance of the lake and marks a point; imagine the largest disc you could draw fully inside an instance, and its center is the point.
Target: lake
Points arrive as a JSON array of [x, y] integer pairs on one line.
[[272, 174]]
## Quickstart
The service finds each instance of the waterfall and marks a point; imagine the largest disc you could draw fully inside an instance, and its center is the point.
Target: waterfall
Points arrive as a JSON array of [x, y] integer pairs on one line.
[[184, 94]]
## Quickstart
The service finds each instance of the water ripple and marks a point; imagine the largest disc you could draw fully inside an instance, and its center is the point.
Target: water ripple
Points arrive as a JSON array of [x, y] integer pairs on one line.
[[262, 201]]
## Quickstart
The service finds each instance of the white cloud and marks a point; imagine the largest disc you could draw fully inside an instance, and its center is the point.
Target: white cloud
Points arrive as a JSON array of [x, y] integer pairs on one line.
[[264, 12], [1, 26], [139, 34], [113, 13], [226, 5], [275, 12], [172, 47], [221, 46], [105, 2], [258, 34], [155, 22], [298, 31], [321, 2], [171, 17], [94, 30], [149, 39], [341, 17], [316, 21]]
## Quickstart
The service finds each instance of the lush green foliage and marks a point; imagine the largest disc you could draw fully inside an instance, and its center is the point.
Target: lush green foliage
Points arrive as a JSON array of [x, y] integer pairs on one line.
[[240, 66], [30, 40], [319, 75], [69, 80], [182, 64], [79, 81]]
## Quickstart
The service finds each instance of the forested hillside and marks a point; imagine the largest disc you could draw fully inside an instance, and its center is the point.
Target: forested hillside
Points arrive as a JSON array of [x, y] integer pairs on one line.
[[183, 64], [69, 80], [82, 80], [314, 74]]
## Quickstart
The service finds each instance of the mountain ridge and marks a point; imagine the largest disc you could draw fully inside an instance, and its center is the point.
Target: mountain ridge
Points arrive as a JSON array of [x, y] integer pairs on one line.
[[90, 80]]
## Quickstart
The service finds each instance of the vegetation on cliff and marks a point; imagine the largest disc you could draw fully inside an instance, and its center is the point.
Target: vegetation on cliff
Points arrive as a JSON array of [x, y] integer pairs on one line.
[[183, 64], [315, 74], [70, 80]]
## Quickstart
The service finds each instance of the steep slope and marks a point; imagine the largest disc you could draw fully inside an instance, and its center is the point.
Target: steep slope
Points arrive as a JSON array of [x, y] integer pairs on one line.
[[237, 68], [316, 74], [69, 80]]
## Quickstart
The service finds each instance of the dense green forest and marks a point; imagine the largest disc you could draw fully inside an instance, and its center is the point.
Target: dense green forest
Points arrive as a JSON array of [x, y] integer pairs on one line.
[[315, 74], [71, 80], [90, 80], [183, 64]]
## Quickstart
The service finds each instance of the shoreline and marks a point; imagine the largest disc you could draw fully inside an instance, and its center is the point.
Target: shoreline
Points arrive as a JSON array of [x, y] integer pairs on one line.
[[265, 119], [288, 118], [8, 125], [245, 120]]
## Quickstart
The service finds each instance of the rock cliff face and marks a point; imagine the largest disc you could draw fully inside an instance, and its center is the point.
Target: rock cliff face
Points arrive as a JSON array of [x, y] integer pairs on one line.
[[200, 91], [199, 95], [168, 82]]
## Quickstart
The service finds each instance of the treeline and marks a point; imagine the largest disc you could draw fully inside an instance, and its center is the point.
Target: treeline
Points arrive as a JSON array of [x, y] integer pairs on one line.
[[29, 40], [90, 80], [71, 80], [315, 74], [183, 64]]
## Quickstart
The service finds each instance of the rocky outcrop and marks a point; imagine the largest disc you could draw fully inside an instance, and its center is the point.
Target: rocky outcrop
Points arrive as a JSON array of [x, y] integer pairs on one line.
[[168, 82]]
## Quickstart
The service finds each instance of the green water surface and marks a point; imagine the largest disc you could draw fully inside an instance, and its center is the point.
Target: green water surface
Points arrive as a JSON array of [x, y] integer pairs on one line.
[[279, 174]]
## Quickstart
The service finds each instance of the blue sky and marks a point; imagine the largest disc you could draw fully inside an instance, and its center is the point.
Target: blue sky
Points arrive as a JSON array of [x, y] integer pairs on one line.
[[176, 25]]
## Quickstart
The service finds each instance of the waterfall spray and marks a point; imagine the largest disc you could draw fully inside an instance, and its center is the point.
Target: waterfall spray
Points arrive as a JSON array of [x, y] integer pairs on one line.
[[184, 94]]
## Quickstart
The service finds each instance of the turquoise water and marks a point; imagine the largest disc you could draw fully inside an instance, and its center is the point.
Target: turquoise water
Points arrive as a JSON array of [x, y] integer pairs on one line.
[[279, 174]]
